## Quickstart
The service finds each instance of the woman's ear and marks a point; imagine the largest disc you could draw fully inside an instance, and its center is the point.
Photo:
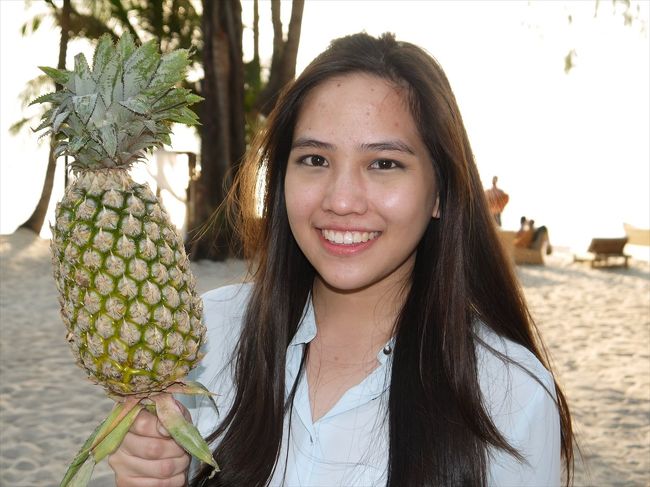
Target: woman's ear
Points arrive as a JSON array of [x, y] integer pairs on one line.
[[436, 208]]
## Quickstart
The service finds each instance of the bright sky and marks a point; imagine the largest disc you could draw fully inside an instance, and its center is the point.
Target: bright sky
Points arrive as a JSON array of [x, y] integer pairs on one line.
[[572, 150]]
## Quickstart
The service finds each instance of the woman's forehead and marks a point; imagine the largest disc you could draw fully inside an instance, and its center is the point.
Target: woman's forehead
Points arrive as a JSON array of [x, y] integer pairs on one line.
[[358, 96]]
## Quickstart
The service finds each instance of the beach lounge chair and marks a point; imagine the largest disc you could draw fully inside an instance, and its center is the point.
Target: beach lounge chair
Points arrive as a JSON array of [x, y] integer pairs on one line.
[[636, 235], [533, 255], [601, 250]]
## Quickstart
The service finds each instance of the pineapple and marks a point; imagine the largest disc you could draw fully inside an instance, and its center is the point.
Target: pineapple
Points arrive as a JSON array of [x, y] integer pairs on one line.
[[126, 291]]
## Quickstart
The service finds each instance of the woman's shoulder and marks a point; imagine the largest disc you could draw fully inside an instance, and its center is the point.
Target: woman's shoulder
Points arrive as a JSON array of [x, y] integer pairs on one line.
[[519, 395], [510, 375], [225, 306], [223, 313], [231, 300]]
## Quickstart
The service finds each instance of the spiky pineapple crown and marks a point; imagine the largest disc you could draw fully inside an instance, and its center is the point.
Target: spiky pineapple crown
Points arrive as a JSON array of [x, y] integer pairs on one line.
[[112, 115]]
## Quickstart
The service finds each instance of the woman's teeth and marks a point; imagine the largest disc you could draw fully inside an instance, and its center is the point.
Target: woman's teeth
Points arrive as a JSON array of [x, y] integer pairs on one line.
[[348, 238]]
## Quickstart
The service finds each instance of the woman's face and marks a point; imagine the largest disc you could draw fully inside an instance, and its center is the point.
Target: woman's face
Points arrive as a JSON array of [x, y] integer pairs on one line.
[[360, 186]]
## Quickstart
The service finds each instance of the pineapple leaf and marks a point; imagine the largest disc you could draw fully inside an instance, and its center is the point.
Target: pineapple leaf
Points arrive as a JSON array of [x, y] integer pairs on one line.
[[77, 143], [47, 98], [60, 149], [118, 84], [82, 477], [102, 55], [165, 139], [44, 134], [109, 139], [107, 80], [84, 84], [125, 46], [45, 122], [137, 105], [193, 388], [84, 106], [142, 57], [140, 67], [193, 98], [172, 99], [60, 118], [113, 439], [99, 114], [144, 142], [183, 115], [151, 126], [75, 124], [134, 128], [59, 76], [83, 454], [171, 69], [127, 157], [184, 432]]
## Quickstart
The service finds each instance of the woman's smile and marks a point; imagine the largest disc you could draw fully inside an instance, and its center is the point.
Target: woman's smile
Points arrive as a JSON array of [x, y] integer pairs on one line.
[[348, 237]]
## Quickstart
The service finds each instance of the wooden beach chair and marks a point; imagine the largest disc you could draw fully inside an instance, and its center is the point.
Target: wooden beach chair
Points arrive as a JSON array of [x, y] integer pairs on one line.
[[601, 250], [528, 256], [636, 235]]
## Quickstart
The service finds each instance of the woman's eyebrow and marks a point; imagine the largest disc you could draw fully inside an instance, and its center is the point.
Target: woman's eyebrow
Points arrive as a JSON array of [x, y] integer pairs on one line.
[[304, 142], [389, 145]]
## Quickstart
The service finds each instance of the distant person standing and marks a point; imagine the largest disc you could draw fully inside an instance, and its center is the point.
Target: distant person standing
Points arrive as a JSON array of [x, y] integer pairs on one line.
[[497, 200]]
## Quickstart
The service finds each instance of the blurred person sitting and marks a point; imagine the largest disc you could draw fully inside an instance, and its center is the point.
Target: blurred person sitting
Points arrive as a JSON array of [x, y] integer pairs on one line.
[[529, 237]]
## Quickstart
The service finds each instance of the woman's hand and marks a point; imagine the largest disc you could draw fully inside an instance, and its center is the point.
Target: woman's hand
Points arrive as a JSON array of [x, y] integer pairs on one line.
[[149, 457]]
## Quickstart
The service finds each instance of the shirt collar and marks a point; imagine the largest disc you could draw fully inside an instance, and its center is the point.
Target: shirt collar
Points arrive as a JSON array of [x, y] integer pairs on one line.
[[306, 331]]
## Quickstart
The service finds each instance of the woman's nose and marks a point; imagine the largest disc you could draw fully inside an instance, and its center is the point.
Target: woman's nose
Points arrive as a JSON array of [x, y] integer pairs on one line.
[[345, 193]]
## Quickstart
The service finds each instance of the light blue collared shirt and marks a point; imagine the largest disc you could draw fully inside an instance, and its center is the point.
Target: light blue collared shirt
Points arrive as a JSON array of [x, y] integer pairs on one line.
[[348, 446]]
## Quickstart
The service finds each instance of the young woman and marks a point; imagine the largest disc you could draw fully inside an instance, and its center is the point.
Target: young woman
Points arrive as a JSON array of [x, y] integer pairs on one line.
[[384, 339]]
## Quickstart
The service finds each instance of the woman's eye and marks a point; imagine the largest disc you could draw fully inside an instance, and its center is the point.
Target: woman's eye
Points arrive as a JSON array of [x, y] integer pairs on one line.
[[316, 161], [385, 164]]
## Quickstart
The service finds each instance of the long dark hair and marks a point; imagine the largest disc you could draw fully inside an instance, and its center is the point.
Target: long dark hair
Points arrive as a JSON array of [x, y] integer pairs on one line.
[[439, 429]]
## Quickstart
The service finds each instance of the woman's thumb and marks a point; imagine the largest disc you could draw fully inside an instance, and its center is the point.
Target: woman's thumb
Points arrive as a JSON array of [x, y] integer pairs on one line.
[[162, 430]]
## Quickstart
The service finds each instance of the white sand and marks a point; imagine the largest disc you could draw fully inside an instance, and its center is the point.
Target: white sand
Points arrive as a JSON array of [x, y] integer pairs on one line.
[[596, 324]]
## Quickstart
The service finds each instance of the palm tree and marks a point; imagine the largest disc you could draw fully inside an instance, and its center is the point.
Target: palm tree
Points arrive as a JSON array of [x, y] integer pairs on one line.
[[234, 97], [36, 219]]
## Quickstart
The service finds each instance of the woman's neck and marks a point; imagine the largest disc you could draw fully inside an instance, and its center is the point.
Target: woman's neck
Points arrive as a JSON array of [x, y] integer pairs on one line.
[[360, 321]]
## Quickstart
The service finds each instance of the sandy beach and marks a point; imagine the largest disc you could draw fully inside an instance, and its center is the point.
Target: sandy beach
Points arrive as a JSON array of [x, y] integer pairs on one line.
[[596, 323]]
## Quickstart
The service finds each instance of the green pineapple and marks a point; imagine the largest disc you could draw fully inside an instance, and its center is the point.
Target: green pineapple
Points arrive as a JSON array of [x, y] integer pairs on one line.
[[126, 291]]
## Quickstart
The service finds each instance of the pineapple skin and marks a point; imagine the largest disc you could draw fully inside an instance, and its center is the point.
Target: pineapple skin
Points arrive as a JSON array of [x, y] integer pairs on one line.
[[126, 290]]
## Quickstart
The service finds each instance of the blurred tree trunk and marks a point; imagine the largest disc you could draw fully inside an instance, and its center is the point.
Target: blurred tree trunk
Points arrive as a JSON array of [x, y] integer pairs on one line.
[[37, 218], [234, 96], [222, 130], [285, 52]]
